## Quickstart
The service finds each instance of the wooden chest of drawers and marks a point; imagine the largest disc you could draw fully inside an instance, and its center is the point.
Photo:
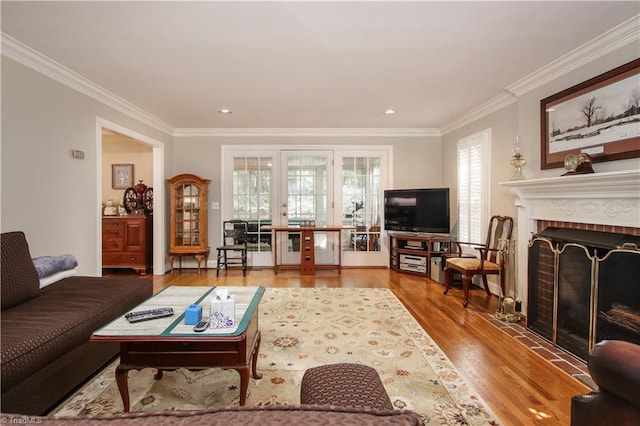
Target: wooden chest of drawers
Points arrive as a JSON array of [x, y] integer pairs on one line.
[[127, 242]]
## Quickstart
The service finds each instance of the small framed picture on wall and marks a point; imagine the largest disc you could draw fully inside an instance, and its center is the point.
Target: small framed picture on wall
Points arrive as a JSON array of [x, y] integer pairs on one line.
[[121, 176]]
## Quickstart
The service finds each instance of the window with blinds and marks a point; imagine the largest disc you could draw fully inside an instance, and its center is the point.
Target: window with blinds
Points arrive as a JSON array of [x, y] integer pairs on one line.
[[474, 156]]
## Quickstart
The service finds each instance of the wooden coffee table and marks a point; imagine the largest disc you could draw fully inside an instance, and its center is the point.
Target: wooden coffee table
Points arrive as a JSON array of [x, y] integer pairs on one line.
[[168, 344]]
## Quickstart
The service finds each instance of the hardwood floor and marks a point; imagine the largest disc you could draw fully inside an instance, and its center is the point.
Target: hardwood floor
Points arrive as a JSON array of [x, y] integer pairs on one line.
[[520, 386]]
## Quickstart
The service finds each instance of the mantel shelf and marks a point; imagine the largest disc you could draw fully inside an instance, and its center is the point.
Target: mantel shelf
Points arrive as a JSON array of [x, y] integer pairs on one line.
[[618, 184]]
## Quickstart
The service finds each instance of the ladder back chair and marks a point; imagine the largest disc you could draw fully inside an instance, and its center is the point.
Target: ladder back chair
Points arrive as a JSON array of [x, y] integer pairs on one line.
[[489, 261], [234, 239]]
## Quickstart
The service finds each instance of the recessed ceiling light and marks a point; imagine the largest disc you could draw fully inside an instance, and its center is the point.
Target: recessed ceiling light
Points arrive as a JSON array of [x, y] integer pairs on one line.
[[224, 111], [390, 111]]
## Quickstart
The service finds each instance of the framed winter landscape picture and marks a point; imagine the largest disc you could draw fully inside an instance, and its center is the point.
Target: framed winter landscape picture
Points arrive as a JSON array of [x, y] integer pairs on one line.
[[599, 117]]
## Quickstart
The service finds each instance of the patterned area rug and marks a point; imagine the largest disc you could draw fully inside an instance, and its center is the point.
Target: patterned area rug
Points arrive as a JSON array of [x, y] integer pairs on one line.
[[303, 328]]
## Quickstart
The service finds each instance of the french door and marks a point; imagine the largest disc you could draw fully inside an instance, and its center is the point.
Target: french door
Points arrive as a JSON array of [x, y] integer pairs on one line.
[[341, 186], [306, 188]]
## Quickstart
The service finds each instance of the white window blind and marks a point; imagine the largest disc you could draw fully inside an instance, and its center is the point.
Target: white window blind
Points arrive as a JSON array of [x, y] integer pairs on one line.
[[473, 186]]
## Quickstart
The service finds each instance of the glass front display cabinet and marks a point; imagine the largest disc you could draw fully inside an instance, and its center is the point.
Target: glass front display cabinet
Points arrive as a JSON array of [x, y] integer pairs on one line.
[[188, 230]]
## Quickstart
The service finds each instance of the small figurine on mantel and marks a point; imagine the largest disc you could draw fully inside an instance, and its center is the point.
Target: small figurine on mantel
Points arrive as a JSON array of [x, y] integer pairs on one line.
[[138, 200]]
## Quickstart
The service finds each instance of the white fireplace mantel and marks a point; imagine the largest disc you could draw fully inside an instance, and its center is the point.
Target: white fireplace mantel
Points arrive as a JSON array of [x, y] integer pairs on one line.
[[608, 198], [611, 198]]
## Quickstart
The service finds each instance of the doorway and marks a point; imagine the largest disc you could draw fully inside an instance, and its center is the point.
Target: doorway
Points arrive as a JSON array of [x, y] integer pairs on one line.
[[148, 155], [306, 192]]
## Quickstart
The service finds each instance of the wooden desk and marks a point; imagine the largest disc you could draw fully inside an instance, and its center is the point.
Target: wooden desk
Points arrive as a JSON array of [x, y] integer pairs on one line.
[[307, 265]]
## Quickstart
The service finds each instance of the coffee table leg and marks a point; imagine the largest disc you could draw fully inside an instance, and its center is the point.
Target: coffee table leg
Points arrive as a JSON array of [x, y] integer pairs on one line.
[[244, 383], [123, 386], [254, 360]]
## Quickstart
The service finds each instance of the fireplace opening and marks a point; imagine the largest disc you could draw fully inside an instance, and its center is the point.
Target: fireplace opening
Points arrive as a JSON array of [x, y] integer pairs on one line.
[[584, 288]]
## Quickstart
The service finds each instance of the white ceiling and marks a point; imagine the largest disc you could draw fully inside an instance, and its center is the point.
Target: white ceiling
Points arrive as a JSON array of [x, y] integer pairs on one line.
[[308, 64]]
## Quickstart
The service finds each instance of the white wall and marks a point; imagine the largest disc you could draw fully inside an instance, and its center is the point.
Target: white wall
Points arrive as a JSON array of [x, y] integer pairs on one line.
[[416, 160], [119, 149], [504, 127], [54, 198], [529, 117], [46, 193]]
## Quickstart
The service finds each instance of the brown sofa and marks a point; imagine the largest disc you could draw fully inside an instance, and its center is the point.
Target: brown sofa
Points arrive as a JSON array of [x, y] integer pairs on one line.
[[615, 367], [247, 416], [45, 345]]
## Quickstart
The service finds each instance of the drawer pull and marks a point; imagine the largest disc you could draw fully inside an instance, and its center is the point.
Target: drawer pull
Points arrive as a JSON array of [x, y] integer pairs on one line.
[[133, 258], [115, 234], [115, 245]]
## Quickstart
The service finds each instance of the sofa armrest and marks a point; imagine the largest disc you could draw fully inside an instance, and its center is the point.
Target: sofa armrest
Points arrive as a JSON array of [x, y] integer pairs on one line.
[[19, 278], [615, 366]]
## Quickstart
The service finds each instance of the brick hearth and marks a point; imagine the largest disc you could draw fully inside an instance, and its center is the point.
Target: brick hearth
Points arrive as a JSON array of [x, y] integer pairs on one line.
[[564, 361]]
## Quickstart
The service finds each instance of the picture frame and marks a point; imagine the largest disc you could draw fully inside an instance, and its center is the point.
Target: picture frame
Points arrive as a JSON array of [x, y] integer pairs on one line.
[[599, 117], [121, 176]]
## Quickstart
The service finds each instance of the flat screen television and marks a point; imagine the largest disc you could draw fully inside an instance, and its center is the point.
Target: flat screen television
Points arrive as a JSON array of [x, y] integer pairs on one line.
[[417, 210]]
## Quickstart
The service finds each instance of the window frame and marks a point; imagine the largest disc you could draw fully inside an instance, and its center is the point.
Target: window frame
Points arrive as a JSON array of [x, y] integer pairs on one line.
[[482, 141]]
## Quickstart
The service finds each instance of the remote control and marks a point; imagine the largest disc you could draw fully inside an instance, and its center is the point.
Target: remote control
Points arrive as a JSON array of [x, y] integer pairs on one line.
[[147, 315], [201, 326]]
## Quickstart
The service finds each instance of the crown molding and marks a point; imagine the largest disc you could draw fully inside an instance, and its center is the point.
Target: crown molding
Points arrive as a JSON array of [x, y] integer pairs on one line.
[[23, 54], [612, 40], [30, 58], [483, 110], [616, 38], [300, 132]]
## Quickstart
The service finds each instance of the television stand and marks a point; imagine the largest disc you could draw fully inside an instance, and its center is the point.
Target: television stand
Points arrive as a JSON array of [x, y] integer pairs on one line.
[[417, 254]]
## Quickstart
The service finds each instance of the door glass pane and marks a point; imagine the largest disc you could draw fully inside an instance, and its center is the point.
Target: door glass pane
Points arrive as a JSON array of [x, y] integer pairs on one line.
[[187, 202], [251, 198], [307, 189], [361, 195]]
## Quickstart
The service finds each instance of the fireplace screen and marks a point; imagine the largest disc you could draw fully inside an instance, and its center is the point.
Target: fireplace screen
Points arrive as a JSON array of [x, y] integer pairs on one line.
[[575, 266], [618, 313], [582, 293], [541, 298]]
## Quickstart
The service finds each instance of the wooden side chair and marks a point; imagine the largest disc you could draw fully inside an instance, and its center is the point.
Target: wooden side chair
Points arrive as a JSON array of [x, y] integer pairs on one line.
[[490, 260], [234, 239]]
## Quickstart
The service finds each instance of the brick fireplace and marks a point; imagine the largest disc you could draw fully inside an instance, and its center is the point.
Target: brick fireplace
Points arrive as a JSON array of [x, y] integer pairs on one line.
[[607, 203], [564, 282]]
